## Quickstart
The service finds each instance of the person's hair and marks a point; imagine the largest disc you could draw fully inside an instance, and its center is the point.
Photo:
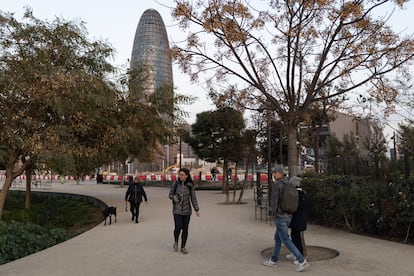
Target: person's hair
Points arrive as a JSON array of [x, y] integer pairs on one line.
[[187, 173]]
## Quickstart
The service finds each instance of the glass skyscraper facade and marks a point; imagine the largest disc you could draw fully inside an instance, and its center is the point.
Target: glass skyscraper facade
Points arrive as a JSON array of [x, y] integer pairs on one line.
[[151, 49]]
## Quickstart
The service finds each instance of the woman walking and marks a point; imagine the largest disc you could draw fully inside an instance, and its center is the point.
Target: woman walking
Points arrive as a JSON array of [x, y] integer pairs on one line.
[[183, 195], [134, 195], [299, 219]]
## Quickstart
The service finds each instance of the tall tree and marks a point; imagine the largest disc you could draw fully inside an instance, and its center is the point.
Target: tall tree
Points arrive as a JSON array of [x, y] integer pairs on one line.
[[217, 136], [278, 142], [142, 118], [275, 50], [407, 144], [54, 93], [333, 155], [310, 134], [249, 154], [375, 144]]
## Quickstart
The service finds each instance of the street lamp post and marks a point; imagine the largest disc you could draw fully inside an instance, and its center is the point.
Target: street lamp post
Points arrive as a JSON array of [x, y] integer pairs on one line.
[[269, 150], [180, 153]]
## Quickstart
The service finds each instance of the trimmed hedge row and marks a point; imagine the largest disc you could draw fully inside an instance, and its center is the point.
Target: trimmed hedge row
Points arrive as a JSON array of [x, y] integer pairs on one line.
[[362, 205]]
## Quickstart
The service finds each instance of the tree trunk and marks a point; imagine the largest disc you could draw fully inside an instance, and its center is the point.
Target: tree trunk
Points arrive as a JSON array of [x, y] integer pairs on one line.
[[123, 173], [224, 177], [27, 197], [407, 233], [377, 168], [3, 193], [246, 173], [11, 174], [316, 140], [226, 180], [317, 164], [235, 184], [292, 150]]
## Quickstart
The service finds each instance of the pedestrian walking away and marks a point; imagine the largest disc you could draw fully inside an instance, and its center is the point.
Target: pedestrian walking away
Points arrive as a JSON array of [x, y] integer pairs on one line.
[[299, 219], [134, 195], [282, 222], [183, 196]]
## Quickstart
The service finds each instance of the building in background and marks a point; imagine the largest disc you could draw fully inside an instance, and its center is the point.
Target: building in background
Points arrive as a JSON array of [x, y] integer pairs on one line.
[[151, 49], [343, 124], [151, 52]]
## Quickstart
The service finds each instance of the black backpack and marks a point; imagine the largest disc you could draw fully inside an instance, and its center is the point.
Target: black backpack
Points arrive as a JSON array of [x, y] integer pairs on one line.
[[289, 198]]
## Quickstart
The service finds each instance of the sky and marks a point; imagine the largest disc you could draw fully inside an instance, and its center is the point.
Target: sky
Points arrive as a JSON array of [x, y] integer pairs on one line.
[[116, 22]]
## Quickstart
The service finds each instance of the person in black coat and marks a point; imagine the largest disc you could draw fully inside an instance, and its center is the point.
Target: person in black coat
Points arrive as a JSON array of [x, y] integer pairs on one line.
[[299, 218], [134, 195]]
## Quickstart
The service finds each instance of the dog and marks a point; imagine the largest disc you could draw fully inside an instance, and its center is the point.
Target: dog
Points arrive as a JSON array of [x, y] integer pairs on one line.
[[108, 212]]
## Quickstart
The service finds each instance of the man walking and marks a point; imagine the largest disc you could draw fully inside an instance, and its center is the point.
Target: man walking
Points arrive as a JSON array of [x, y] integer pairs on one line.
[[282, 221]]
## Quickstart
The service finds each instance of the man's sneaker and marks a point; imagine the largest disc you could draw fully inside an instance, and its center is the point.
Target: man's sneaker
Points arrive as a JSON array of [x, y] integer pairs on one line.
[[184, 251], [270, 263], [302, 266], [291, 257], [175, 246], [295, 262]]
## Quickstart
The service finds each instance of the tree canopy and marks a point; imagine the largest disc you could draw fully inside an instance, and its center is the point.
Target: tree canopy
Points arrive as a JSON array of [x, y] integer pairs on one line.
[[218, 136], [55, 95], [286, 53]]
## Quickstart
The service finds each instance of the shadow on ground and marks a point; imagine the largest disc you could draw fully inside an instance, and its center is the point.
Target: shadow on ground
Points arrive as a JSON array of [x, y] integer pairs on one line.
[[315, 253]]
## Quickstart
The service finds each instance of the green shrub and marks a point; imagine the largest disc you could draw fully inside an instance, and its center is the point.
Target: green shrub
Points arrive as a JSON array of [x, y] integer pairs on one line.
[[51, 211], [50, 220], [21, 239], [362, 205]]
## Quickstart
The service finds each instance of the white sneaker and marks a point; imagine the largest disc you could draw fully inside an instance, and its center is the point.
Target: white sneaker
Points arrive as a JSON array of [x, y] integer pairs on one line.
[[270, 263], [290, 256], [302, 266]]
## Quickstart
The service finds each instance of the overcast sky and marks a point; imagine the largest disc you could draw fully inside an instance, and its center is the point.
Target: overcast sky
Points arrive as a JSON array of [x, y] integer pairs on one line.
[[116, 22]]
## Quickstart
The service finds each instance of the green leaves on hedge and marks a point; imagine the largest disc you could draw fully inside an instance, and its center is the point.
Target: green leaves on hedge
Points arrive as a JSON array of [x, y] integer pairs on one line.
[[20, 239]]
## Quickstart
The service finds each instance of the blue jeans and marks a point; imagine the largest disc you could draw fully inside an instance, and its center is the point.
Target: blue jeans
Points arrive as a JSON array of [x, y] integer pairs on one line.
[[282, 236]]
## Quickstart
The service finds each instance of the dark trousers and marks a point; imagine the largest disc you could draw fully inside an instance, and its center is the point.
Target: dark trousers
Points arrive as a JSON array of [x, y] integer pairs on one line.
[[181, 222], [297, 241], [135, 210]]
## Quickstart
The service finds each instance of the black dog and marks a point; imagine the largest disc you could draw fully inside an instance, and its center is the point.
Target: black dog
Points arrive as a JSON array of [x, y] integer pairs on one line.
[[108, 212]]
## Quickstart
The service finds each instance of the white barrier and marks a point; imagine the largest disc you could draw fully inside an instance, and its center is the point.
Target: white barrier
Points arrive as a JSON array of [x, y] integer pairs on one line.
[[115, 178]]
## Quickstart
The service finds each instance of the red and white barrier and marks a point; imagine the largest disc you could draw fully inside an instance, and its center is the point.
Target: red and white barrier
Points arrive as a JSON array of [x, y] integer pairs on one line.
[[149, 178]]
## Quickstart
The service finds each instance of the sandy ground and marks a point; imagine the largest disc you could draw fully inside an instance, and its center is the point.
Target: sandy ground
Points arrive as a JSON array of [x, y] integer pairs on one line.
[[224, 240]]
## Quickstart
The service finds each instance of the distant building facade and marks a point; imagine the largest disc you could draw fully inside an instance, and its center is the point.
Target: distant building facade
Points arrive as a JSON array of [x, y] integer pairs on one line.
[[343, 124]]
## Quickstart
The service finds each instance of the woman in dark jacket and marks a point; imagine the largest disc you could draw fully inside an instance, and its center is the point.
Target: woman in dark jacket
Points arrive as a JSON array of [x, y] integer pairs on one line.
[[134, 195], [299, 218], [183, 195]]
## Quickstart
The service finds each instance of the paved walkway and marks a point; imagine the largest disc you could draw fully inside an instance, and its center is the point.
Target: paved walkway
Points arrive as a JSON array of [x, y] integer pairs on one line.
[[224, 240]]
